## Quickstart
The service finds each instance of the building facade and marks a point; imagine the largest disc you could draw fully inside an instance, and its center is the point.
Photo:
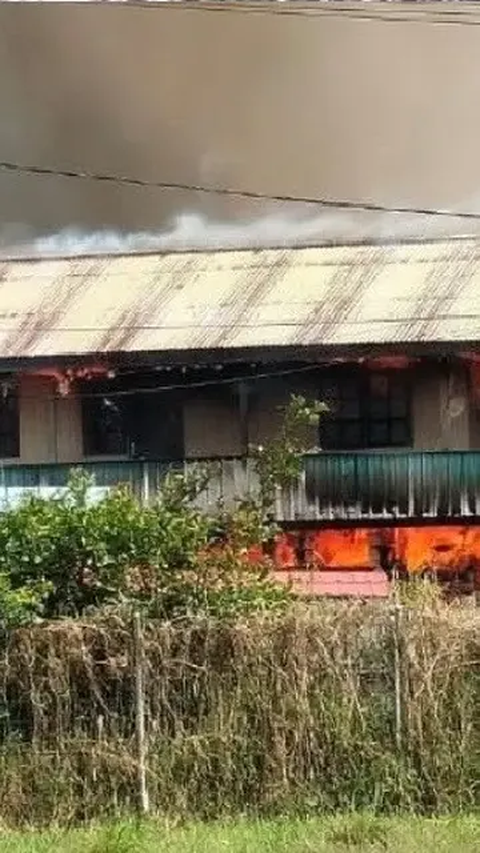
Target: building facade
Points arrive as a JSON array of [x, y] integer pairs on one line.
[[383, 403], [129, 365]]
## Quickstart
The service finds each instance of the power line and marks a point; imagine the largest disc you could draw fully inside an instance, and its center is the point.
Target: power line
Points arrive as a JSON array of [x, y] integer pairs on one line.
[[180, 386], [336, 204]]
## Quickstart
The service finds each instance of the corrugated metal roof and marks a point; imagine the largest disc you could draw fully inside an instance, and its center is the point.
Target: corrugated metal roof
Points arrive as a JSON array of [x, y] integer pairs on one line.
[[331, 296]]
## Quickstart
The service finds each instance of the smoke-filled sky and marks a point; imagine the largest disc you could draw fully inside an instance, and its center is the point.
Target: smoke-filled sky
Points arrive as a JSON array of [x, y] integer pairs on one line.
[[193, 231], [324, 107]]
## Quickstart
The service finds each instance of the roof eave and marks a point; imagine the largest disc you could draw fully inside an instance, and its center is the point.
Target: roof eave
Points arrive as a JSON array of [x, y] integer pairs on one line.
[[314, 353]]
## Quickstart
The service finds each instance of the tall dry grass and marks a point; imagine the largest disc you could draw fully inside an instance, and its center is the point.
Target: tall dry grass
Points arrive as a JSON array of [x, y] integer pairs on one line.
[[278, 713]]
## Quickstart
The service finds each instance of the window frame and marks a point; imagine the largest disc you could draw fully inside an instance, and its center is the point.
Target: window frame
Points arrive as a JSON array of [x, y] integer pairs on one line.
[[126, 405], [12, 393], [361, 379], [89, 450]]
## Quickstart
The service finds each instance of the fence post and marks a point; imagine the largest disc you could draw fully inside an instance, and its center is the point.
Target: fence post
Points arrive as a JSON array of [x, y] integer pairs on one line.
[[143, 798], [397, 665], [145, 484]]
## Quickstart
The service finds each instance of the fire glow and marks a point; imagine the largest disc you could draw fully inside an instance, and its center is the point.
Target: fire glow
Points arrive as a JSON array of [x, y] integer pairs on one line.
[[443, 548], [64, 379]]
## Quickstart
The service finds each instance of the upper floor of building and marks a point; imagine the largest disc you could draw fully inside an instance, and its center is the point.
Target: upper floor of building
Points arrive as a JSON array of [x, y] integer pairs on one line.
[[166, 358]]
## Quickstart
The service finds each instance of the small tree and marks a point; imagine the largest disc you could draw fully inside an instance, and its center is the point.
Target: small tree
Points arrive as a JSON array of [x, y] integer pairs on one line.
[[66, 556], [278, 463]]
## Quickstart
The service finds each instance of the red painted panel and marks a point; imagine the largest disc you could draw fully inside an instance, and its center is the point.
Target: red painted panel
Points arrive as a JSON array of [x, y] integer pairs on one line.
[[336, 584]]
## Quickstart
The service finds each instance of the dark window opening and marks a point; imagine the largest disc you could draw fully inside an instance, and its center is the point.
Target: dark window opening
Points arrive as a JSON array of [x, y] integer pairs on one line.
[[9, 420], [104, 431], [367, 410], [146, 426]]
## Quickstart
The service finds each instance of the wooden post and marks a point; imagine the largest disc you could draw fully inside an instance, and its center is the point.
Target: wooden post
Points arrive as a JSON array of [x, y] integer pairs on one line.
[[398, 678], [244, 412], [397, 664], [143, 799], [145, 484]]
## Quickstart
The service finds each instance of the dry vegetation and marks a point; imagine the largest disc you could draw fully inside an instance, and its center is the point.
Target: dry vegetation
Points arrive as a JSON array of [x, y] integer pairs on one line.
[[281, 713]]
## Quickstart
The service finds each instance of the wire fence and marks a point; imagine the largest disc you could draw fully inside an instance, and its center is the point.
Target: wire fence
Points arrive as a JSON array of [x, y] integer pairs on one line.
[[330, 706]]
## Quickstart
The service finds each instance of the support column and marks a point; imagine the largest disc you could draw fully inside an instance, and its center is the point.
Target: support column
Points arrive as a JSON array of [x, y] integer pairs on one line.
[[37, 420], [69, 439], [244, 415], [50, 427]]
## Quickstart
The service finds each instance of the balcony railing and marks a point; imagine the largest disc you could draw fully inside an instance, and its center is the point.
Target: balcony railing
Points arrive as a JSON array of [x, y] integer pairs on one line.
[[333, 487], [395, 485]]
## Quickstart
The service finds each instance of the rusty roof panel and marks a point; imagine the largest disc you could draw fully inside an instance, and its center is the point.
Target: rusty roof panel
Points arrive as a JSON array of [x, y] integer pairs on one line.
[[410, 293]]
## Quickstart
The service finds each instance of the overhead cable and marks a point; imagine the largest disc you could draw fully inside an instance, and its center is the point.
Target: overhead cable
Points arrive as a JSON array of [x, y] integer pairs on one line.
[[255, 195]]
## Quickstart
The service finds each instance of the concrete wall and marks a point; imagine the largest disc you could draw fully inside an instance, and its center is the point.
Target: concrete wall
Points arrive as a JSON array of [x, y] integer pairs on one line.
[[329, 104]]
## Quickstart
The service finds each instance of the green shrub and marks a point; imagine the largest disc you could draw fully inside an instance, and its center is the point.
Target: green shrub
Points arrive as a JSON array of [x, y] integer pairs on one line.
[[66, 557], [80, 556]]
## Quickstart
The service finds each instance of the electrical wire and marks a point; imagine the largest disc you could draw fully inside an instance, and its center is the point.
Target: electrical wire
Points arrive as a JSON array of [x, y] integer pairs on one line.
[[456, 17], [180, 386], [337, 204]]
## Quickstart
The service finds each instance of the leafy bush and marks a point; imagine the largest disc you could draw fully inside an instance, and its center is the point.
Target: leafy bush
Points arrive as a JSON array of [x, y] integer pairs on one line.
[[80, 555], [64, 557]]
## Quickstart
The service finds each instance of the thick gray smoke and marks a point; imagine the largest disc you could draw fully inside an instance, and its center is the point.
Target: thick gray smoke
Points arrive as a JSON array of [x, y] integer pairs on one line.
[[192, 231]]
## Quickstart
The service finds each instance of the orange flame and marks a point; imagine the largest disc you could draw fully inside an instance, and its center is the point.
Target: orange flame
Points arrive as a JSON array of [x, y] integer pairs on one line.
[[443, 548], [65, 378]]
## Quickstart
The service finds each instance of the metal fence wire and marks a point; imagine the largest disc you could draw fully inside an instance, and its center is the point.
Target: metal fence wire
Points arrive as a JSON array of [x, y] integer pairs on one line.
[[323, 706]]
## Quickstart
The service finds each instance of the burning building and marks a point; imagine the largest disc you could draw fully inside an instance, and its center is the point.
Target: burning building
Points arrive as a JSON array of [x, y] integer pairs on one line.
[[128, 365]]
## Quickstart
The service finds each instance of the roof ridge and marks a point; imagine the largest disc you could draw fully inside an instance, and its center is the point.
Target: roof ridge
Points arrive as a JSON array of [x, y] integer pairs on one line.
[[28, 257]]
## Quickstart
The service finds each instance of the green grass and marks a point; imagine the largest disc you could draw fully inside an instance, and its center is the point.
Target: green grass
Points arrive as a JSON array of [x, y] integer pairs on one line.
[[324, 835]]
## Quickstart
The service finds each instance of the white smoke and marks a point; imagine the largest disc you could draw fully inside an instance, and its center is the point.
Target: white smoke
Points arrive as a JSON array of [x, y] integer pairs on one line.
[[188, 231], [192, 231]]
